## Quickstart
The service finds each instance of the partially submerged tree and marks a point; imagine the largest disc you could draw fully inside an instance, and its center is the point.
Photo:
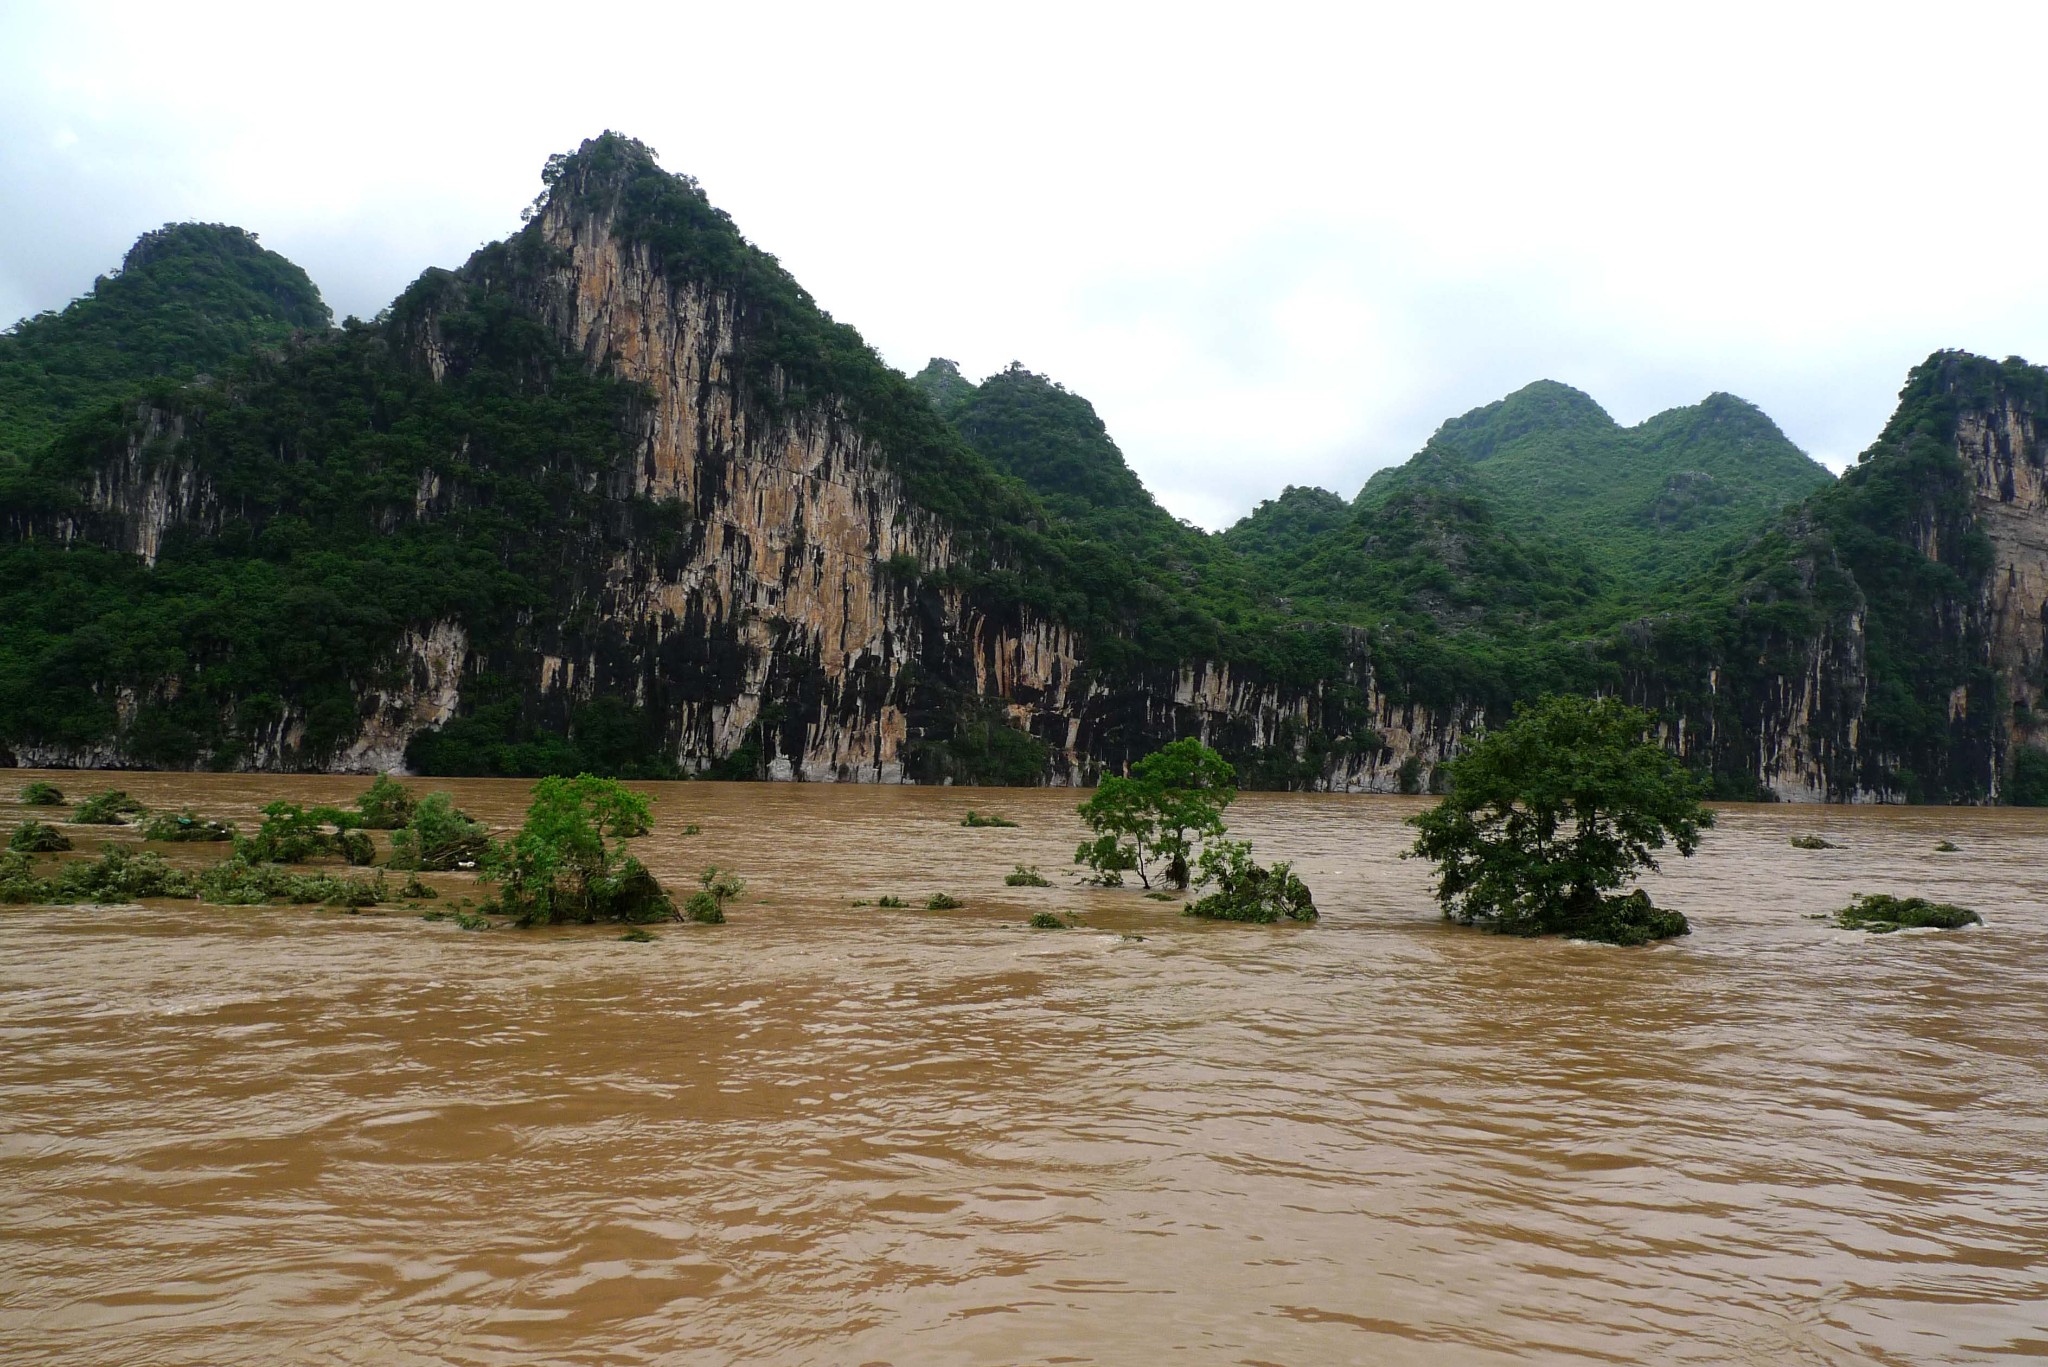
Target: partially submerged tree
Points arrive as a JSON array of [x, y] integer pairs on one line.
[[385, 805], [292, 834], [437, 837], [1173, 799], [110, 808], [1247, 890], [716, 887], [562, 866], [38, 837], [1551, 814]]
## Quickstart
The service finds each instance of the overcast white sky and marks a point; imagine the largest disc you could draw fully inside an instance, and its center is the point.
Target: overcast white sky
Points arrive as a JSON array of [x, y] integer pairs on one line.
[[1273, 243]]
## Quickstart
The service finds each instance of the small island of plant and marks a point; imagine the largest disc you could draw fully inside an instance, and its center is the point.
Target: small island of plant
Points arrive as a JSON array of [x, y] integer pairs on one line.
[[1550, 815]]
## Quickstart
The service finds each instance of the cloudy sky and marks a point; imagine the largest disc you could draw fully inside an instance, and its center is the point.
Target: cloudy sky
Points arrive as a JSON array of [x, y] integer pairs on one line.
[[1274, 244]]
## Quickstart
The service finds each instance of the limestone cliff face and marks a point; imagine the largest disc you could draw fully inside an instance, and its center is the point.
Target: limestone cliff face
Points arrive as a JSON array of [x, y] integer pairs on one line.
[[782, 619], [134, 497], [2005, 449]]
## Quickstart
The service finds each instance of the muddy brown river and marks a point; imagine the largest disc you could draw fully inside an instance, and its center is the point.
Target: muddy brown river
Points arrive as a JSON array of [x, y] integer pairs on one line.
[[833, 1134]]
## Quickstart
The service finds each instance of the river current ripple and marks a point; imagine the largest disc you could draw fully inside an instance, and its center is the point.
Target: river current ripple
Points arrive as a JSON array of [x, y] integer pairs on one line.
[[834, 1134]]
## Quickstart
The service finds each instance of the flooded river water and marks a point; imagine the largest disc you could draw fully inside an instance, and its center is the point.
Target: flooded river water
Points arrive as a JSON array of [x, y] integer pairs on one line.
[[833, 1134]]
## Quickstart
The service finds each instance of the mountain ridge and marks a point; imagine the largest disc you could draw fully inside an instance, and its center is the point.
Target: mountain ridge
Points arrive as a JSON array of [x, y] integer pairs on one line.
[[617, 494]]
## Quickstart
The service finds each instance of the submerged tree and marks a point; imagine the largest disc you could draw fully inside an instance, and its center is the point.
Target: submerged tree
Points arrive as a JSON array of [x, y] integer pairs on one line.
[[563, 866], [438, 836], [1551, 814], [385, 805], [1172, 800], [1247, 890]]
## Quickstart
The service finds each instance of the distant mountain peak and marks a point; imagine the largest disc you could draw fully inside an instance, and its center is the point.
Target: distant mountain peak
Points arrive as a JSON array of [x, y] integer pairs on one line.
[[1545, 406]]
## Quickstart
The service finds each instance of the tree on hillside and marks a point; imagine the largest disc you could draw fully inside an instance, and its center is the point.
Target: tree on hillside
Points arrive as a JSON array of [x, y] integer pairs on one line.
[[1551, 814], [1172, 800]]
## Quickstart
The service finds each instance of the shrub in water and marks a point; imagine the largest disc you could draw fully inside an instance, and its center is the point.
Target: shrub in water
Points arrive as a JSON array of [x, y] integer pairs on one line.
[[715, 888], [38, 837], [186, 826], [1026, 876], [291, 834], [1045, 920], [386, 806], [236, 883], [41, 794], [941, 902], [975, 818], [1633, 920], [414, 890], [561, 866], [468, 920], [894, 903], [638, 936], [1881, 914], [1811, 842], [119, 876], [439, 837], [356, 847], [1947, 847], [111, 808], [18, 881], [1246, 890]]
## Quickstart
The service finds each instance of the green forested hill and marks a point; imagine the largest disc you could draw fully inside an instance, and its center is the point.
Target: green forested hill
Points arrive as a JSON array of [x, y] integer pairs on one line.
[[1651, 504], [189, 298], [1186, 583], [1282, 530]]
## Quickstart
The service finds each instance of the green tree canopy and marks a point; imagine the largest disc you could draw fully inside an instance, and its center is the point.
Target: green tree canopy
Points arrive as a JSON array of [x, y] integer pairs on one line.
[[1173, 799], [1551, 814], [561, 867]]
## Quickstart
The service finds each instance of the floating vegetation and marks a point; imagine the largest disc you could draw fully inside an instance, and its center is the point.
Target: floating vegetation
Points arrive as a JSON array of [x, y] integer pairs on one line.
[[1812, 842], [974, 818], [42, 794], [1162, 897], [941, 902], [893, 903], [1881, 914], [639, 935], [1946, 847], [1026, 876], [111, 808], [186, 826], [38, 837], [693, 829]]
